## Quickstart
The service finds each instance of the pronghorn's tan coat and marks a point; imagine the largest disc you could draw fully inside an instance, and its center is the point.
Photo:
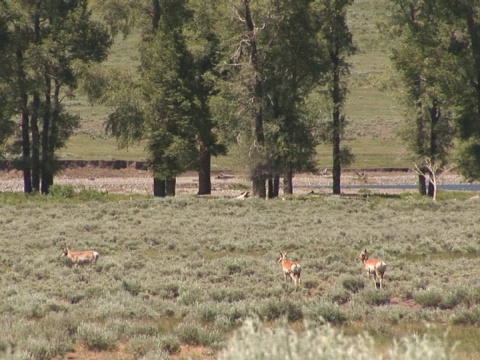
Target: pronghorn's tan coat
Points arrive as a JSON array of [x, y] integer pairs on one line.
[[79, 257], [290, 268], [376, 267]]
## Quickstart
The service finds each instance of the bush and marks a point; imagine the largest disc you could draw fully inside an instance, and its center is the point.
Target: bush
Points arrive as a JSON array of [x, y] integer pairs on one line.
[[96, 337], [323, 343], [454, 298], [466, 316], [431, 297], [62, 191], [192, 334], [324, 311], [275, 309], [141, 345], [353, 284], [376, 297], [338, 295]]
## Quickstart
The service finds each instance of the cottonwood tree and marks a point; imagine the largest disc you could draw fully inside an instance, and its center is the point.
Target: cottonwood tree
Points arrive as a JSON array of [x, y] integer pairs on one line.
[[48, 37], [426, 70], [7, 101], [275, 61], [337, 39], [295, 62], [462, 20], [170, 111]]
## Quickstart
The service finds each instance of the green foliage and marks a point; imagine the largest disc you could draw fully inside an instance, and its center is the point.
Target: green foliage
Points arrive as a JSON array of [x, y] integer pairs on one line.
[[62, 191]]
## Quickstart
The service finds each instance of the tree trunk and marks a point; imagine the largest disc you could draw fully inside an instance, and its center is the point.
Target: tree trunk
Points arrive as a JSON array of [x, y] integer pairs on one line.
[[204, 180], [156, 12], [288, 182], [170, 186], [337, 101], [25, 123], [259, 188], [422, 185], [273, 186], [276, 185], [432, 189], [53, 138], [159, 189], [27, 174], [259, 178], [46, 162], [35, 163]]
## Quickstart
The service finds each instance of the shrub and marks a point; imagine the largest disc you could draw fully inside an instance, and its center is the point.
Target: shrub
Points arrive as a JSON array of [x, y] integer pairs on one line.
[[96, 337], [324, 343], [141, 345], [466, 316], [431, 297], [420, 347], [454, 297], [275, 309], [62, 191], [353, 284], [133, 288], [376, 297], [192, 334], [250, 341], [169, 344], [230, 296], [338, 295], [324, 311]]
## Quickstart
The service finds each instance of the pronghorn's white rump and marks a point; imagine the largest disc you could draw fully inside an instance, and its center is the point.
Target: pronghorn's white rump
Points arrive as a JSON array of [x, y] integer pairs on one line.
[[80, 257], [377, 267], [290, 268]]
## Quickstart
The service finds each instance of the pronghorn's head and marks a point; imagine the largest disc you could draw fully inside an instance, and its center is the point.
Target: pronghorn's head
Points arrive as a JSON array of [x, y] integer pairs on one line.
[[65, 252], [363, 255], [283, 256]]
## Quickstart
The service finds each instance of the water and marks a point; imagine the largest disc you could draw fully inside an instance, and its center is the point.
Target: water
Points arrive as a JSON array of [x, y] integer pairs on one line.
[[448, 187]]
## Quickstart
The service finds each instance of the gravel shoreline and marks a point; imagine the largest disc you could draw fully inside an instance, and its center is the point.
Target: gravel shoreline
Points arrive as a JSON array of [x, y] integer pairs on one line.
[[130, 181]]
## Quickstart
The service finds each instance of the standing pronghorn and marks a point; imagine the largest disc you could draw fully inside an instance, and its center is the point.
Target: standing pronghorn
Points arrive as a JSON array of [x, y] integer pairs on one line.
[[291, 268], [376, 267], [78, 257]]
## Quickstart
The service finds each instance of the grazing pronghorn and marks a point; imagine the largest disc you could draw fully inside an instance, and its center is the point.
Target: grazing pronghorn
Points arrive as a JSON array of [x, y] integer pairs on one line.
[[79, 257], [291, 268], [376, 267]]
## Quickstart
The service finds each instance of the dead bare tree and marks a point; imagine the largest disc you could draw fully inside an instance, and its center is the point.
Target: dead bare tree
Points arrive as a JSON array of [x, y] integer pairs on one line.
[[433, 174]]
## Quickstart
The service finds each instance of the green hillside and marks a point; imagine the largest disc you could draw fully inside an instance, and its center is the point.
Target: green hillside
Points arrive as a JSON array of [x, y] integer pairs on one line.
[[374, 116]]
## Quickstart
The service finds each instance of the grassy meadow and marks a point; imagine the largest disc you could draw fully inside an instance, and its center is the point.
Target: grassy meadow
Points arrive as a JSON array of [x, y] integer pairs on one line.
[[186, 273], [374, 115]]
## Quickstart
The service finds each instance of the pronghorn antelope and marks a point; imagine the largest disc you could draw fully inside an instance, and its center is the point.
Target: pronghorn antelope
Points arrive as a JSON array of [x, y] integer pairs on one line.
[[376, 267], [79, 257], [291, 268]]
